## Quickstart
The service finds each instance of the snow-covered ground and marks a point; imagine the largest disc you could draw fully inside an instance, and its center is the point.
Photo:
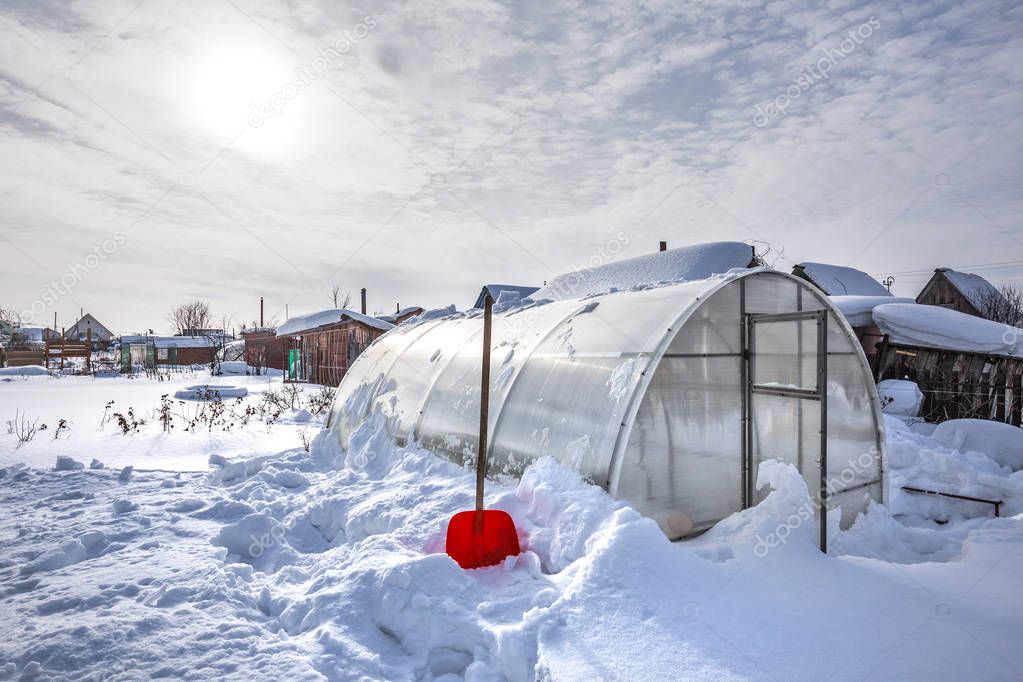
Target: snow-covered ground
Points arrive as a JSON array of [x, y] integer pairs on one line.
[[273, 562]]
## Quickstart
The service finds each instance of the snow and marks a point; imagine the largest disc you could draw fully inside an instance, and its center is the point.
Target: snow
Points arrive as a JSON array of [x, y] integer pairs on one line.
[[689, 263], [975, 288], [210, 392], [858, 310], [93, 433], [304, 323], [900, 397], [839, 280], [277, 561], [1001, 442], [937, 327], [24, 371]]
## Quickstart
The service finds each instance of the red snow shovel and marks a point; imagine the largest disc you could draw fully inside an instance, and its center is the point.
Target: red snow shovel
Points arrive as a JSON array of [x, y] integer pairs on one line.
[[483, 537]]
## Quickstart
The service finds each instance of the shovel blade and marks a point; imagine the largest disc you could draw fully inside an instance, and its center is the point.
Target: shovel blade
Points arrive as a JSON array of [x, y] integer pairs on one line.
[[481, 538]]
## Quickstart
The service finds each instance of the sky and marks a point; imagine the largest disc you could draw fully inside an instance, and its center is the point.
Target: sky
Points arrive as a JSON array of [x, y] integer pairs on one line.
[[156, 152]]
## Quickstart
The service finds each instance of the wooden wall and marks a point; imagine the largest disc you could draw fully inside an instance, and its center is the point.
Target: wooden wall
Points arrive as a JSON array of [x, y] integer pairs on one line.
[[939, 291], [327, 353], [957, 385]]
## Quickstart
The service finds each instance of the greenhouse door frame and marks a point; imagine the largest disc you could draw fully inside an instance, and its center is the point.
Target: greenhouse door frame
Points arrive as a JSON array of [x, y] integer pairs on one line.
[[819, 395]]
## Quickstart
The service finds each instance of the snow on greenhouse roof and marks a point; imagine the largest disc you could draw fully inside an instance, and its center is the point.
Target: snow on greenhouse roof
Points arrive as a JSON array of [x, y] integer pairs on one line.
[[975, 288], [858, 310], [839, 280], [937, 327], [305, 323], [689, 263]]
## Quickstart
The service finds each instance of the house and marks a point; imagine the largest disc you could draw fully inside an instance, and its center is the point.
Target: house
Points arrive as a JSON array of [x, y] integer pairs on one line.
[[495, 291], [322, 346], [89, 328], [964, 292]]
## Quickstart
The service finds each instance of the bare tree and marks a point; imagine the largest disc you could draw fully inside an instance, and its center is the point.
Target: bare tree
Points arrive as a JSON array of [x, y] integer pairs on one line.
[[338, 297], [1004, 305], [190, 317]]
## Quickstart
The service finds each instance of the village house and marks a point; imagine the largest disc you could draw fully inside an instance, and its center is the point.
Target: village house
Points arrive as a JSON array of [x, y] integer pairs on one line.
[[964, 292], [88, 328], [322, 346]]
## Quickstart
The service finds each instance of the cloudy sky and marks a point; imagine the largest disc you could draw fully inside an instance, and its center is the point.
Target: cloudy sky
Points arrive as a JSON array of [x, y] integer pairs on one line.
[[157, 151]]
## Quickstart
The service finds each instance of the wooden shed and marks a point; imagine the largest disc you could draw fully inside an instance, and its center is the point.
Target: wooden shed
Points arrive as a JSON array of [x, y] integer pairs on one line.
[[323, 345], [964, 292], [263, 349]]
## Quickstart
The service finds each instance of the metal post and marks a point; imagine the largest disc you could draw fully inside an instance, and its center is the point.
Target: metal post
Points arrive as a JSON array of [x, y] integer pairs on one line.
[[363, 300], [822, 387], [481, 457], [744, 381]]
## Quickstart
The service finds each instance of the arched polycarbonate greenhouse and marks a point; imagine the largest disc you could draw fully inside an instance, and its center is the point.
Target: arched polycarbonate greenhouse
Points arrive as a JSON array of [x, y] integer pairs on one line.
[[669, 396]]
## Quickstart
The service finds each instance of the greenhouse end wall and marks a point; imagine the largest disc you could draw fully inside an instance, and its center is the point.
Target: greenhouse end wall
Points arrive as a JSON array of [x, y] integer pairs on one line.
[[669, 397]]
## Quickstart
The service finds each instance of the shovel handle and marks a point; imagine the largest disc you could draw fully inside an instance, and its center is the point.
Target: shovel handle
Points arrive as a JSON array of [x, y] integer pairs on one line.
[[481, 457]]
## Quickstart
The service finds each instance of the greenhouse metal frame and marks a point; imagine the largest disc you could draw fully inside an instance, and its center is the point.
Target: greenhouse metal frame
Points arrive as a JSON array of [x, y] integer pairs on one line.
[[669, 397]]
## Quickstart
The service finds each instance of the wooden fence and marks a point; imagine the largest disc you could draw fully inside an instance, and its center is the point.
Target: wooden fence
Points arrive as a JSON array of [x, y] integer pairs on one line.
[[955, 384], [57, 350], [24, 357]]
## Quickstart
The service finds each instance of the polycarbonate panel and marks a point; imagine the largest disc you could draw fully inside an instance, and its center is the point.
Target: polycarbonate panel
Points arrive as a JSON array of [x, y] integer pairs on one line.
[[683, 464], [714, 327], [787, 429], [768, 294], [367, 379], [569, 400], [854, 502], [785, 354], [853, 455]]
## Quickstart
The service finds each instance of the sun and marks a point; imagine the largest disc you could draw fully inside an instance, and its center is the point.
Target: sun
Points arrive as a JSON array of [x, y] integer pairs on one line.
[[245, 90]]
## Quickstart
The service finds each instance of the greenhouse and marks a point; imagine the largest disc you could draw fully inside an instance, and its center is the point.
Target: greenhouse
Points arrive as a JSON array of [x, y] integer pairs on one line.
[[667, 396]]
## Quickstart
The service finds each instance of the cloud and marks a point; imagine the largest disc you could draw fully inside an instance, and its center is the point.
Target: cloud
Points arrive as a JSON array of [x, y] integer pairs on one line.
[[447, 145]]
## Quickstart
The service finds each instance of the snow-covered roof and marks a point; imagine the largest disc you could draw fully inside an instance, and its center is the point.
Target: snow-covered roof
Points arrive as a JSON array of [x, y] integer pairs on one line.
[[975, 288], [305, 323], [840, 280], [689, 263], [507, 290], [404, 312], [858, 310], [171, 341], [933, 326], [184, 341]]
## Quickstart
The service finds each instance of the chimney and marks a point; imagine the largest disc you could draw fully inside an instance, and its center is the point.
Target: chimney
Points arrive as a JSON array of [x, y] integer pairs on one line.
[[664, 246], [397, 309], [363, 300], [261, 312]]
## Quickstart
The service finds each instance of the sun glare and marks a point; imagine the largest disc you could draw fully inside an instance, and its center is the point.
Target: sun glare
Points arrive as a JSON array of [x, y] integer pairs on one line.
[[241, 88]]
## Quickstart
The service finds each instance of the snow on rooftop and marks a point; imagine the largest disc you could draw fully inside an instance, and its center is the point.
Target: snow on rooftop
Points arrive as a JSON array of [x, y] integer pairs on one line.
[[304, 323], [689, 263], [839, 280], [858, 310], [975, 288], [936, 327]]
